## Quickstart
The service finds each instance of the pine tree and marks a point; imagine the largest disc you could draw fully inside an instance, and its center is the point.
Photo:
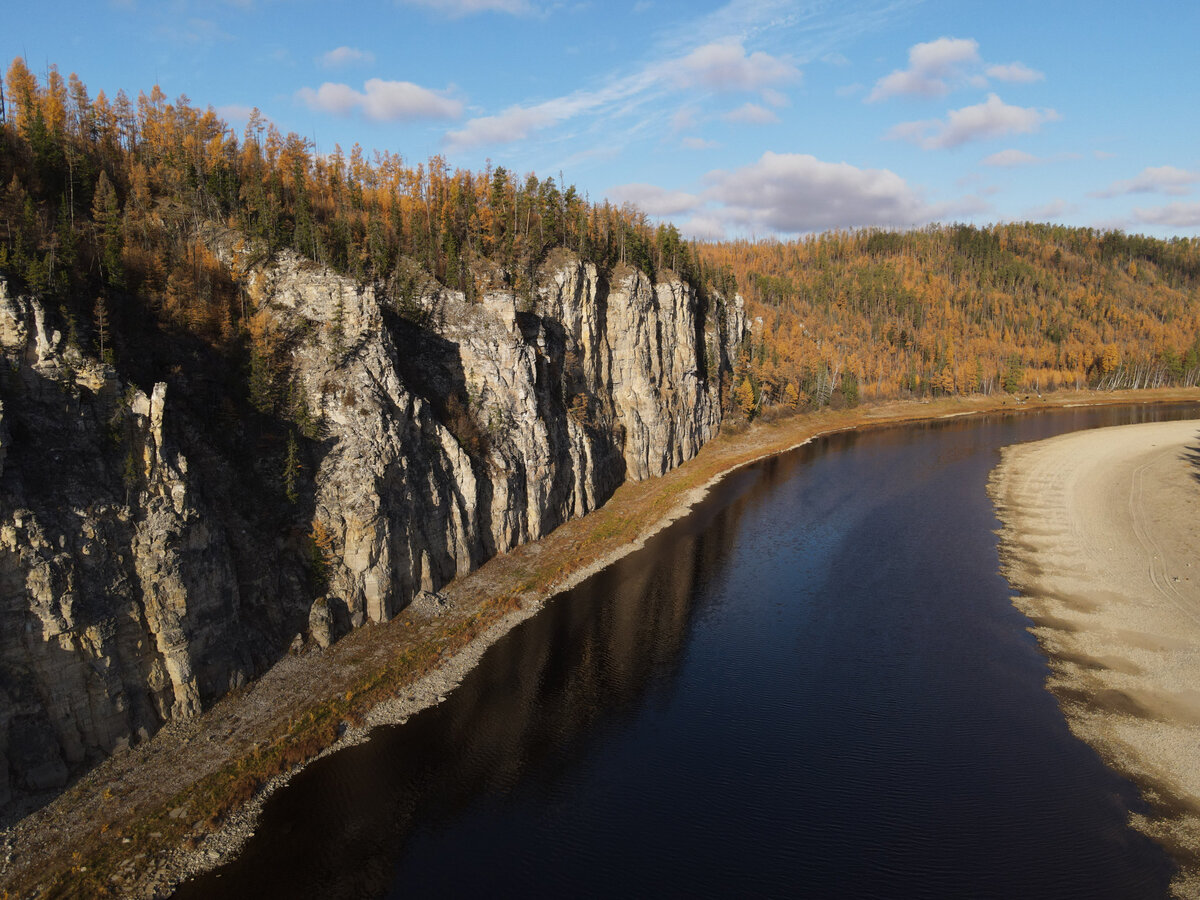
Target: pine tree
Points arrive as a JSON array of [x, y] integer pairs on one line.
[[291, 470], [100, 320], [106, 213]]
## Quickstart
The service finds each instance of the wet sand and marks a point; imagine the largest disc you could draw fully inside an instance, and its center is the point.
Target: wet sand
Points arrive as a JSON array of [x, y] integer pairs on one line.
[[1101, 538]]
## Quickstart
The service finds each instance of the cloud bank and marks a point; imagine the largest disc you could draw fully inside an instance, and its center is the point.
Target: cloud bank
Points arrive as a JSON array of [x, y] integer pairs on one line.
[[1154, 180], [791, 193], [936, 68], [382, 101], [991, 119]]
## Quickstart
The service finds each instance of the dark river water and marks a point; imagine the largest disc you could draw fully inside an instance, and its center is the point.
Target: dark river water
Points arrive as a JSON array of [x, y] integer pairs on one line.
[[815, 685]]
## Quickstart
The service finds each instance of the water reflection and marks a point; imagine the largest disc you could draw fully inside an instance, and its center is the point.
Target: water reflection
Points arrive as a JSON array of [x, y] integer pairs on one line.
[[578, 666], [815, 684]]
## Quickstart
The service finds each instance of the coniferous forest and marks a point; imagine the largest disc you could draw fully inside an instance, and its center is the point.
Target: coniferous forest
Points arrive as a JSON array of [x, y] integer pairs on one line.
[[107, 207]]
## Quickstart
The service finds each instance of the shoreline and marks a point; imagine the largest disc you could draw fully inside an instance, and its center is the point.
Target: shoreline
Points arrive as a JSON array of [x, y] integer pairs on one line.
[[1099, 538], [155, 829]]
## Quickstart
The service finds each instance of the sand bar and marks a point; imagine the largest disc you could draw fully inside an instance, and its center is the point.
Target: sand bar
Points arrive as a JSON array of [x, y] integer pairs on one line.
[[1101, 538]]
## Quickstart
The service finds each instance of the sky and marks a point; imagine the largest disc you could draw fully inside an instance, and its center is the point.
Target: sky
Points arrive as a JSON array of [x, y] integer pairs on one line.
[[747, 118]]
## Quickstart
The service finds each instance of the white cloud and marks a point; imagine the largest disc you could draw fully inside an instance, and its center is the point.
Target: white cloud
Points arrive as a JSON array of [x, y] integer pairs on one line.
[[1154, 180], [235, 112], [751, 114], [725, 66], [907, 82], [346, 56], [775, 98], [653, 200], [943, 56], [698, 143], [1049, 212], [1103, 154], [520, 121], [330, 97], [1008, 159], [1015, 72], [456, 9], [791, 193], [683, 119], [931, 67], [1176, 215], [398, 100], [938, 67], [703, 227], [514, 124], [990, 119], [1011, 158], [383, 101], [698, 55]]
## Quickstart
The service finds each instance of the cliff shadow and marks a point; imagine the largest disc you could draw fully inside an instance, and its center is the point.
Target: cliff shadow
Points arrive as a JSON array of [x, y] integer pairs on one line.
[[586, 664], [564, 395], [431, 367], [79, 460]]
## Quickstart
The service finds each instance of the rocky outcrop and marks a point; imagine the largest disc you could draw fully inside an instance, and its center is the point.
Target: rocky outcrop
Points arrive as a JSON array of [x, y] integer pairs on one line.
[[137, 581], [114, 581]]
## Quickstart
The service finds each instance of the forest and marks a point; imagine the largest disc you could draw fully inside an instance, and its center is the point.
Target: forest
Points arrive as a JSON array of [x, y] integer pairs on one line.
[[105, 202], [105, 205], [952, 309]]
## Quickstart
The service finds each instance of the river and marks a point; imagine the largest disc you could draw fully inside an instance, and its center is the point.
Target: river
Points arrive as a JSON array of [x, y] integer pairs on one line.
[[814, 685]]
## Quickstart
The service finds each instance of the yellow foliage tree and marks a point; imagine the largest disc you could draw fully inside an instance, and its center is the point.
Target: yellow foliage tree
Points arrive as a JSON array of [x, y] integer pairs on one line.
[[745, 398]]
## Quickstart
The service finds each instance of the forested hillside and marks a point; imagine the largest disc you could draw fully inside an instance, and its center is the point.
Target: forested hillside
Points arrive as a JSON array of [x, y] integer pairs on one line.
[[254, 397], [959, 309], [103, 203]]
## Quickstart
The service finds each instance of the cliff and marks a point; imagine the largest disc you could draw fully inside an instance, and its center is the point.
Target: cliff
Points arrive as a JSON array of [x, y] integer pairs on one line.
[[158, 550]]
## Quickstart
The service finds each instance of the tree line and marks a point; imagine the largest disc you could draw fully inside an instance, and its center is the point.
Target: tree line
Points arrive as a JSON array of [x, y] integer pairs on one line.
[[103, 204], [106, 197], [954, 309]]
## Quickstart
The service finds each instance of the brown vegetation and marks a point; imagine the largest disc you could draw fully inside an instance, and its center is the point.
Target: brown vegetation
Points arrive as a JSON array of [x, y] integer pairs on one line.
[[957, 310]]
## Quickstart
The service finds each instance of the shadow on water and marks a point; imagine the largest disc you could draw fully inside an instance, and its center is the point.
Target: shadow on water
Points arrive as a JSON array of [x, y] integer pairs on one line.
[[580, 665], [813, 685]]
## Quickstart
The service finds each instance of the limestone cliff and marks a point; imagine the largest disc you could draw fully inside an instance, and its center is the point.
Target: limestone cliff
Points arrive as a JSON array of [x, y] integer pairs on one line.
[[140, 577]]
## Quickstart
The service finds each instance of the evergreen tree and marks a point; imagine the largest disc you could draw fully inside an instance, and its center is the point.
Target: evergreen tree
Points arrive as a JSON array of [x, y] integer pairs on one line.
[[291, 470]]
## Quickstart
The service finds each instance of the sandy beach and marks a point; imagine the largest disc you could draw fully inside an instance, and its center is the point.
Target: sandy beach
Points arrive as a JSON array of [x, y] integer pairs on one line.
[[1101, 538]]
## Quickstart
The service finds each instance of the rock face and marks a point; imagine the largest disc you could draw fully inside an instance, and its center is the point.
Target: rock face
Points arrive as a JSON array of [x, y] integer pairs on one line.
[[137, 585], [114, 577]]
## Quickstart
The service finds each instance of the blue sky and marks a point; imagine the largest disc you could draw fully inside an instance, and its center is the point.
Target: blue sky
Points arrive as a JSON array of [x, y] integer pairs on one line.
[[742, 118]]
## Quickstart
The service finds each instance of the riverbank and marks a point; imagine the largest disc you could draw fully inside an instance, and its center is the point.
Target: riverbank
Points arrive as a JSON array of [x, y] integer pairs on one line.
[[1100, 535], [188, 798]]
